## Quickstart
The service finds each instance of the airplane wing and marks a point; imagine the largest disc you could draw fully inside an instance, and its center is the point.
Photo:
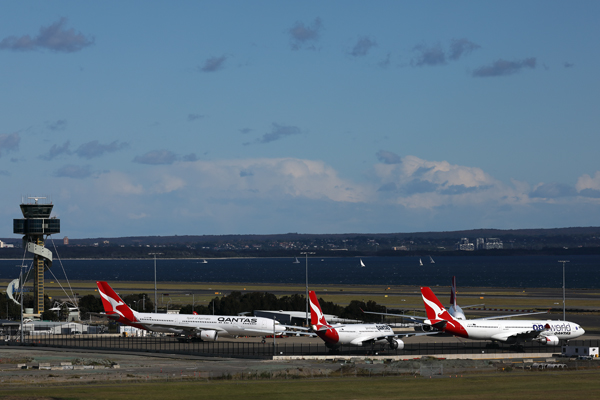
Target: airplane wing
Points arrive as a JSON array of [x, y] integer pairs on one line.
[[102, 315], [413, 317], [473, 305], [521, 336], [294, 327], [301, 333], [368, 339], [181, 328]]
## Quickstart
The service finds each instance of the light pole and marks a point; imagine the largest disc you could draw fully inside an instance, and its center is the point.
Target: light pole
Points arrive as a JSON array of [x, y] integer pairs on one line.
[[564, 310], [306, 253], [155, 296]]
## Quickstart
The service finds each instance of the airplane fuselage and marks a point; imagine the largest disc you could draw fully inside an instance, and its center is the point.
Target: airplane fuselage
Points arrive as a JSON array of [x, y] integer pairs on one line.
[[225, 325], [355, 334], [501, 330]]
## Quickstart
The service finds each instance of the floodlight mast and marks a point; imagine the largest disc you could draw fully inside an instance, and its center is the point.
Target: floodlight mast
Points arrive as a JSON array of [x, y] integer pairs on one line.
[[155, 295], [306, 253], [564, 307]]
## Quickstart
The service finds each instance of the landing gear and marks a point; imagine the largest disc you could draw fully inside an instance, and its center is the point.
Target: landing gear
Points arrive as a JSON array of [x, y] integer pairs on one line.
[[189, 339], [517, 347]]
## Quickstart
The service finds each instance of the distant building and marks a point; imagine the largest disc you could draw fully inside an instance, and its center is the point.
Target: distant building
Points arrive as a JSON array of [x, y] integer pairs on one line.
[[66, 241], [489, 243], [464, 245], [5, 245], [480, 244], [493, 243], [400, 248]]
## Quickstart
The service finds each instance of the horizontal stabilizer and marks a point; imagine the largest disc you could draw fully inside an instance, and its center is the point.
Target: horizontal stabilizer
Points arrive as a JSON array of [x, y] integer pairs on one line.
[[440, 325]]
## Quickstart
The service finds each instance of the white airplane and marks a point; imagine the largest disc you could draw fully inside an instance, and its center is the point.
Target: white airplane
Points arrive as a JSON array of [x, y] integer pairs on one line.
[[205, 327], [508, 331], [353, 334], [454, 308]]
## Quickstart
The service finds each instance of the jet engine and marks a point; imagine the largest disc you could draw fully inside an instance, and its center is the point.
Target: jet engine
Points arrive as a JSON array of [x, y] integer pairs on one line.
[[424, 328], [550, 340], [210, 336], [396, 344]]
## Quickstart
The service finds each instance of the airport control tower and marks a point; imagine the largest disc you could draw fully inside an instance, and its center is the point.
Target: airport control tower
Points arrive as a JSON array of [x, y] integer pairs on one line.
[[36, 226]]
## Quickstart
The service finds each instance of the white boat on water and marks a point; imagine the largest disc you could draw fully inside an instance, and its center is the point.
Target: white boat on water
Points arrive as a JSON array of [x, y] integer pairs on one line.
[[420, 262], [296, 261], [204, 262], [362, 264], [431, 260]]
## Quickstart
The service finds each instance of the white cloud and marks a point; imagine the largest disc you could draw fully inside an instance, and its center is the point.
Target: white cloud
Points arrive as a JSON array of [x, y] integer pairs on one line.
[[273, 178], [587, 182], [114, 183], [420, 184]]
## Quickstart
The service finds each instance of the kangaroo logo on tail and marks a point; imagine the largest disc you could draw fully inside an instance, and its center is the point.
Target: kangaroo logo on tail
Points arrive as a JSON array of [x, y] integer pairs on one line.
[[317, 319], [113, 304], [435, 309]]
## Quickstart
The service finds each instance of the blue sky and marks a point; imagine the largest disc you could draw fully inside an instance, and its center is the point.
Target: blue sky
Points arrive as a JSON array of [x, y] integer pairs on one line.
[[164, 118]]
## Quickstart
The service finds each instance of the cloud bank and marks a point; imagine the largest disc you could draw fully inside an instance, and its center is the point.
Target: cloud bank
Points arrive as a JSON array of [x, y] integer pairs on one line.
[[54, 37], [274, 195], [504, 68]]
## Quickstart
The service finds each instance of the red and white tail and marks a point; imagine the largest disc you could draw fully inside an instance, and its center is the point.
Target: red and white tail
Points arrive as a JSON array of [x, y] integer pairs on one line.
[[317, 319], [435, 309], [453, 293], [113, 304]]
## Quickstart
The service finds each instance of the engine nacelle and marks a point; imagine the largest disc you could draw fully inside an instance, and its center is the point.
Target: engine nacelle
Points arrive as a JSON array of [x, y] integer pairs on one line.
[[550, 340], [210, 336], [424, 328], [396, 344]]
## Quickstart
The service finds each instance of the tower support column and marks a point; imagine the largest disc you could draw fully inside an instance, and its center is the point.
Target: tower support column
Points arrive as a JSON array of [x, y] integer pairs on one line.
[[36, 225]]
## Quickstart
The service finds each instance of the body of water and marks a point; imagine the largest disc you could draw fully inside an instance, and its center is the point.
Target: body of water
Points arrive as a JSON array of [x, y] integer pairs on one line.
[[486, 271]]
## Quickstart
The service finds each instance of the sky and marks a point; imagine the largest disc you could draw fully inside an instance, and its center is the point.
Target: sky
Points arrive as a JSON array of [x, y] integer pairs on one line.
[[265, 117]]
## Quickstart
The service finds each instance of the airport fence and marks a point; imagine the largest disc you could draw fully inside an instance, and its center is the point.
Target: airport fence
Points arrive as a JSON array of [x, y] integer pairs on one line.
[[240, 347]]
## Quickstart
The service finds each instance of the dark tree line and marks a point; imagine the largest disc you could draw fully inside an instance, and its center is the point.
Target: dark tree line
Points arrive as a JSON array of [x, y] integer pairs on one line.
[[236, 303]]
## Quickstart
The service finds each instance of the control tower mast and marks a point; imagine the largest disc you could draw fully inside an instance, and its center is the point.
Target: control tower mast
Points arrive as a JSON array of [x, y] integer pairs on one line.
[[36, 225]]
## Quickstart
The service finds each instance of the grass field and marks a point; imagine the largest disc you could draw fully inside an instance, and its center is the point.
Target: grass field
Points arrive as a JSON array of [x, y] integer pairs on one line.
[[529, 385]]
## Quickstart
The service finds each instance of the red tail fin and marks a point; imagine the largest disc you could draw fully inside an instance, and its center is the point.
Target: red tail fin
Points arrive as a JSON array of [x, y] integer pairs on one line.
[[113, 304], [453, 292], [317, 319], [435, 309]]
